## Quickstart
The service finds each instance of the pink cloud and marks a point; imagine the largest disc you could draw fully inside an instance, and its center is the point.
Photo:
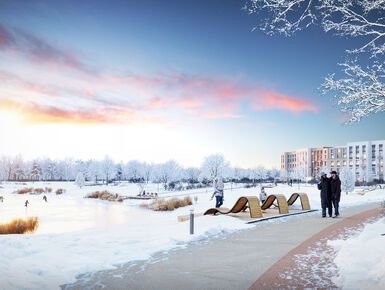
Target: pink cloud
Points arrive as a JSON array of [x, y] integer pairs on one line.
[[219, 97], [271, 100], [34, 113], [40, 50], [126, 95]]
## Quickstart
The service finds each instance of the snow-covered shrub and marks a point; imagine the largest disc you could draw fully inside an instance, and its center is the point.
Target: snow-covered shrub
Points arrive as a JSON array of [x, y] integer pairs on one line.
[[20, 226], [162, 204], [80, 180], [347, 180], [105, 195]]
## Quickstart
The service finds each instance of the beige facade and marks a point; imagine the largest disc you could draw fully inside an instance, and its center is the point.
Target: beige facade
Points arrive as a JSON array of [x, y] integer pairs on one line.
[[297, 160], [319, 157]]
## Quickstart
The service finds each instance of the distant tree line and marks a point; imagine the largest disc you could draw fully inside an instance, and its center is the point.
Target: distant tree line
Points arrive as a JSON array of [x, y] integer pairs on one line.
[[168, 173]]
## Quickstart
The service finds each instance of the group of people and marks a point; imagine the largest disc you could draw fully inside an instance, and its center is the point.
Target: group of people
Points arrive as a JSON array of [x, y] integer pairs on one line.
[[218, 193], [150, 194], [330, 188]]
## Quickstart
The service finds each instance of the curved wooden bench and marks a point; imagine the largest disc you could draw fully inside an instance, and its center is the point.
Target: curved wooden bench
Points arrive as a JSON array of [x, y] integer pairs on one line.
[[281, 201], [303, 198], [244, 202]]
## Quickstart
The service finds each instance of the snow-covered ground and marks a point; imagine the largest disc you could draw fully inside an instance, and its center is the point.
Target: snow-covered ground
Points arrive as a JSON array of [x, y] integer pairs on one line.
[[361, 258], [78, 235]]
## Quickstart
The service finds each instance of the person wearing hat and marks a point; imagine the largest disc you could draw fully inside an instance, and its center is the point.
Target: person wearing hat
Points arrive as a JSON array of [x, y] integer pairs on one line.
[[326, 200], [335, 186]]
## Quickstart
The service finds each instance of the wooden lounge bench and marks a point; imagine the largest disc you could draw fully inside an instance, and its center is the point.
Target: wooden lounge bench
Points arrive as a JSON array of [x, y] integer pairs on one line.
[[281, 201], [303, 198], [244, 202]]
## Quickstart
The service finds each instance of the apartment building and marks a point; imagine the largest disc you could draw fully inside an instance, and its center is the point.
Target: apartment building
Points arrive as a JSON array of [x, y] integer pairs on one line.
[[298, 159], [365, 158], [319, 158], [337, 158]]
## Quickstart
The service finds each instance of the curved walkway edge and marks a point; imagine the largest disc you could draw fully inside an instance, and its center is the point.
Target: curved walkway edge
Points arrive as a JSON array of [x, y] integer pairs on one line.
[[310, 265], [231, 261]]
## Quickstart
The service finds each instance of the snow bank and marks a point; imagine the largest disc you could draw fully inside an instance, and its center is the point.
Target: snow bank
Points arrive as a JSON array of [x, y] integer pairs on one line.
[[361, 259]]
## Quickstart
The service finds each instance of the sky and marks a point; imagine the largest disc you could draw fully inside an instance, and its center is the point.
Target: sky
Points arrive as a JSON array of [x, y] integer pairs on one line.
[[158, 80]]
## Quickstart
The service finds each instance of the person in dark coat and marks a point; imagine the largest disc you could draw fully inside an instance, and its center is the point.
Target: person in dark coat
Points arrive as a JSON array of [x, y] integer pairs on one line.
[[326, 197], [335, 186]]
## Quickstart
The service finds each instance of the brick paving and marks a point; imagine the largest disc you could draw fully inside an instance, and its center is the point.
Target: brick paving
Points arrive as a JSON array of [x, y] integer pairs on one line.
[[310, 265]]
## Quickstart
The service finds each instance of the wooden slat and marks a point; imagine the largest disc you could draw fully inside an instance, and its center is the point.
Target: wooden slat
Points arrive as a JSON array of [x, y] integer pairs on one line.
[[304, 201], [254, 207], [282, 204]]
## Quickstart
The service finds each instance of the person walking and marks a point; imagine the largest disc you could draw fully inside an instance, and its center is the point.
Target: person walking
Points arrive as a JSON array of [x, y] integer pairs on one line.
[[26, 203], [325, 194], [335, 186], [45, 198], [218, 192], [262, 195]]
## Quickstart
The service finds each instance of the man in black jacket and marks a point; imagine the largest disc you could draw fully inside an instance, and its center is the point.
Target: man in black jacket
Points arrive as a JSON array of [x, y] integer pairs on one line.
[[326, 201], [335, 185]]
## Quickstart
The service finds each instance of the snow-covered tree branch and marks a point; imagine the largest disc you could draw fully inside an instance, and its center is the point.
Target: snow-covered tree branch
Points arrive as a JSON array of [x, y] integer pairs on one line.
[[360, 91]]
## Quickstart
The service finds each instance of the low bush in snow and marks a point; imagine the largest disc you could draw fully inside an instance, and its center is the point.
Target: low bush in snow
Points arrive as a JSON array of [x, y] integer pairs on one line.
[[162, 204], [24, 190], [60, 191], [105, 195], [39, 190], [20, 226]]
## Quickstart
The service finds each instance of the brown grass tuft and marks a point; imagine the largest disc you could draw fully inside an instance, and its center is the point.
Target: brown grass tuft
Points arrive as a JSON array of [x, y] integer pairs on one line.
[[24, 190], [39, 190], [161, 204], [20, 226], [105, 195]]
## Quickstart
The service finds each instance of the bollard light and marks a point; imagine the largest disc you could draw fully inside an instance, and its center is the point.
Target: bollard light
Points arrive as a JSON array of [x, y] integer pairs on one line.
[[191, 221]]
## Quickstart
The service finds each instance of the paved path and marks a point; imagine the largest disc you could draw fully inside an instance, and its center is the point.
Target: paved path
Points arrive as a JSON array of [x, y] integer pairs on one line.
[[235, 261], [311, 264]]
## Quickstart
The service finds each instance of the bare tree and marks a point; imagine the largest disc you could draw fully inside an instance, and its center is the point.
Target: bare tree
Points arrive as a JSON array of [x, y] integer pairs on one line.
[[94, 170], [167, 172], [192, 174], [214, 166], [261, 173], [298, 174], [107, 168], [359, 90], [3, 168], [147, 171], [133, 170]]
